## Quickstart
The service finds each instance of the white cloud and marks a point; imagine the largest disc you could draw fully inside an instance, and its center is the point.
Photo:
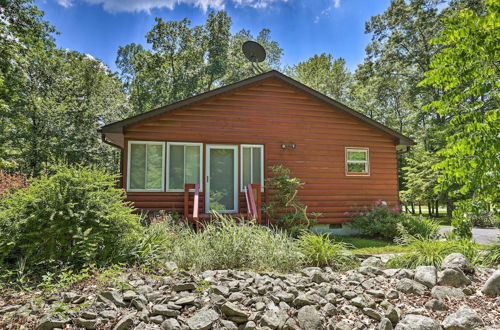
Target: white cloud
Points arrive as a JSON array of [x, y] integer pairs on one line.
[[326, 12], [147, 5], [336, 3]]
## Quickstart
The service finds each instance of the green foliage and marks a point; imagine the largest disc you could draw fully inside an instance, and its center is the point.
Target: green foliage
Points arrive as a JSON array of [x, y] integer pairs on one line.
[[73, 218], [285, 207], [321, 251], [491, 257], [467, 71], [428, 252]]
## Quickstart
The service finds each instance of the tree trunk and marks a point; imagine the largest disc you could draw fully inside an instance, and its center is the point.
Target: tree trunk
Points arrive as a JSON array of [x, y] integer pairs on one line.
[[420, 208], [437, 209], [412, 208], [429, 206], [449, 208]]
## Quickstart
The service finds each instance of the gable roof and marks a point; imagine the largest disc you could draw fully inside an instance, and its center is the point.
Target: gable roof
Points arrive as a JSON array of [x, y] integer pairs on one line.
[[117, 127]]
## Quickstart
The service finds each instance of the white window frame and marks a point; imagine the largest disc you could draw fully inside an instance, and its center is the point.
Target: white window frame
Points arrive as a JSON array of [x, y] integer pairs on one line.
[[367, 161], [129, 154], [261, 146], [167, 167]]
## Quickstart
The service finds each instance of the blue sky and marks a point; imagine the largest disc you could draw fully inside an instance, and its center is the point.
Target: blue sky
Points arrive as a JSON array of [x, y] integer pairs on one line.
[[302, 27]]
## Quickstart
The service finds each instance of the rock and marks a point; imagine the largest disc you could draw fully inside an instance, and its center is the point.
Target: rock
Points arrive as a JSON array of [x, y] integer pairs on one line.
[[158, 319], [457, 260], [362, 301], [85, 323], [109, 314], [9, 308], [373, 262], [492, 286], [342, 325], [188, 300], [202, 320], [349, 295], [309, 318], [291, 324], [369, 270], [392, 294], [372, 313], [417, 322], [305, 299], [187, 286], [410, 286], [165, 310], [464, 318], [426, 275], [228, 325], [441, 292], [70, 297], [393, 314], [222, 290], [453, 277], [273, 320], [436, 305], [250, 325], [376, 293], [89, 315], [385, 324], [236, 296], [50, 321], [171, 267], [125, 322], [405, 273], [318, 277], [129, 295], [114, 296], [171, 324], [229, 309]]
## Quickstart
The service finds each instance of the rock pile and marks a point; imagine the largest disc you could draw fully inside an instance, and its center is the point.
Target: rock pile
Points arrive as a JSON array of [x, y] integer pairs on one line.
[[368, 297]]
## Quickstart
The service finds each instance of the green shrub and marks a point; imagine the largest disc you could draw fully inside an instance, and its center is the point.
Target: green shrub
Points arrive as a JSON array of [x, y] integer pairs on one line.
[[229, 243], [492, 256], [389, 223], [428, 252], [74, 218], [321, 251]]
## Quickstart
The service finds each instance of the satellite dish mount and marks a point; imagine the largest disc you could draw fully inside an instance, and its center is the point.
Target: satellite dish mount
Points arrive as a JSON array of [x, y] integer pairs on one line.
[[255, 53]]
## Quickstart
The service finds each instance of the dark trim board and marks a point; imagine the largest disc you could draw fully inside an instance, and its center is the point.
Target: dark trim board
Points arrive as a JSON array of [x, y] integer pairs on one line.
[[117, 127]]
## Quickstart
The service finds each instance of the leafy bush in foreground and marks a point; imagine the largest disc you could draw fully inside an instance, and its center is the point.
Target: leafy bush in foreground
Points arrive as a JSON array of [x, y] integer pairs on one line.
[[492, 255], [428, 252], [75, 217], [381, 221], [321, 251]]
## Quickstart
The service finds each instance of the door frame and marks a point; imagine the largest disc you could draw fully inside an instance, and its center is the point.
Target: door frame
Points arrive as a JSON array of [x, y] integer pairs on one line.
[[235, 148]]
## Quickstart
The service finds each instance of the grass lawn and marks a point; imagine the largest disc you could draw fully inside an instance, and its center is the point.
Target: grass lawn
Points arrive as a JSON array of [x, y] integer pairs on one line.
[[370, 246]]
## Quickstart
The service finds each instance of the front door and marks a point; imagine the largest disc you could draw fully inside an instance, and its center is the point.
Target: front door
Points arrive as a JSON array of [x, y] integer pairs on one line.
[[221, 193]]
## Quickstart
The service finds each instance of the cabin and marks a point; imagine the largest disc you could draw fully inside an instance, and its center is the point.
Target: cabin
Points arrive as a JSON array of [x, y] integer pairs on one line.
[[213, 151]]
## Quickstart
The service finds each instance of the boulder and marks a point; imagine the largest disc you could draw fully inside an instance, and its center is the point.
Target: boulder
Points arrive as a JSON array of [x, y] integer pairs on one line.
[[229, 309], [410, 286], [453, 277], [441, 292], [202, 320], [373, 262], [115, 297], [125, 322], [464, 318], [51, 321], [163, 309], [436, 305], [309, 318], [492, 286], [426, 275], [171, 324], [393, 314], [417, 322], [457, 260], [385, 324], [372, 313]]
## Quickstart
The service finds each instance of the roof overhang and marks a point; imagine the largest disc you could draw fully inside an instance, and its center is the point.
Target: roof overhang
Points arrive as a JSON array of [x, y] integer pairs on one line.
[[113, 130]]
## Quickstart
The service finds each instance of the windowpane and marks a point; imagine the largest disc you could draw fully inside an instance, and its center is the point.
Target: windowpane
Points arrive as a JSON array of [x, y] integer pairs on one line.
[[176, 167], [356, 168], [256, 164], [192, 165], [137, 166], [154, 166], [246, 166], [356, 155]]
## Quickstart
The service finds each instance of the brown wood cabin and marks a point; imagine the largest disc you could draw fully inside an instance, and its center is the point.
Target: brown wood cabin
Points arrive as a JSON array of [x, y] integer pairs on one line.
[[217, 143]]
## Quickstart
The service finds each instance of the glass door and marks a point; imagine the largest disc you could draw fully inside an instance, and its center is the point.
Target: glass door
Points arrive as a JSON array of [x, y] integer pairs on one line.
[[221, 193]]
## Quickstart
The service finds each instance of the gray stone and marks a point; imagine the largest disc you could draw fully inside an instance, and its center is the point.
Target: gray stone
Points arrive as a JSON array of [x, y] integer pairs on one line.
[[349, 295], [417, 322], [229, 309], [318, 277], [372, 313], [441, 292], [465, 318], [492, 286], [373, 262], [158, 319], [236, 296], [393, 314], [89, 315], [109, 314], [457, 260], [250, 325], [114, 296], [362, 301], [291, 324], [309, 318], [129, 295], [228, 325], [426, 275], [49, 322], [85, 323], [410, 286], [305, 299], [187, 286], [9, 309], [125, 322], [385, 324], [202, 320], [273, 320], [392, 294], [453, 277], [369, 270], [222, 290], [163, 309], [188, 300], [342, 325], [171, 324], [171, 266], [436, 305]]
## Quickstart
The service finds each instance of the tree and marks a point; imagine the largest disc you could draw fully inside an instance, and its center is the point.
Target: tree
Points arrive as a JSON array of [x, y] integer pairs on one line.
[[325, 74], [468, 71]]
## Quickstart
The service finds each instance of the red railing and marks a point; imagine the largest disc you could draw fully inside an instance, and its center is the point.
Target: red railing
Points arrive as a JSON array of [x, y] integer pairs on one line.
[[254, 202], [194, 216]]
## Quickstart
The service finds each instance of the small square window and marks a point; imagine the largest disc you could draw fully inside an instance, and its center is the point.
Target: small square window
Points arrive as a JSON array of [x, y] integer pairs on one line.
[[357, 162]]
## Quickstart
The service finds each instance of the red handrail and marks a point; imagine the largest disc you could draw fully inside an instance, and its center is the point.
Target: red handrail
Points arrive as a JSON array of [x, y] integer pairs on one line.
[[253, 197], [196, 202]]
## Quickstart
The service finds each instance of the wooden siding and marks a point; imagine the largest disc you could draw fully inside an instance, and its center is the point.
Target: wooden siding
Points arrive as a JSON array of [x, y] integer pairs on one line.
[[271, 113]]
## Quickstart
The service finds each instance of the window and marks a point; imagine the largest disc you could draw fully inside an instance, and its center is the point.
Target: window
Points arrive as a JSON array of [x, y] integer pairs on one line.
[[145, 166], [252, 165], [357, 161], [184, 164]]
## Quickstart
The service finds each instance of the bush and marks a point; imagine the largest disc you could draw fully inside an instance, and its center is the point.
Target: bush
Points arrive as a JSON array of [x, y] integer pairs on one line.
[[75, 217], [228, 243], [11, 182], [321, 251], [492, 256], [428, 252], [382, 221]]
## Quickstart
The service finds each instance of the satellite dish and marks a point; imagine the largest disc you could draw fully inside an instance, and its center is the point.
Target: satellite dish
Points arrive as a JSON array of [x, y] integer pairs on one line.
[[253, 51]]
